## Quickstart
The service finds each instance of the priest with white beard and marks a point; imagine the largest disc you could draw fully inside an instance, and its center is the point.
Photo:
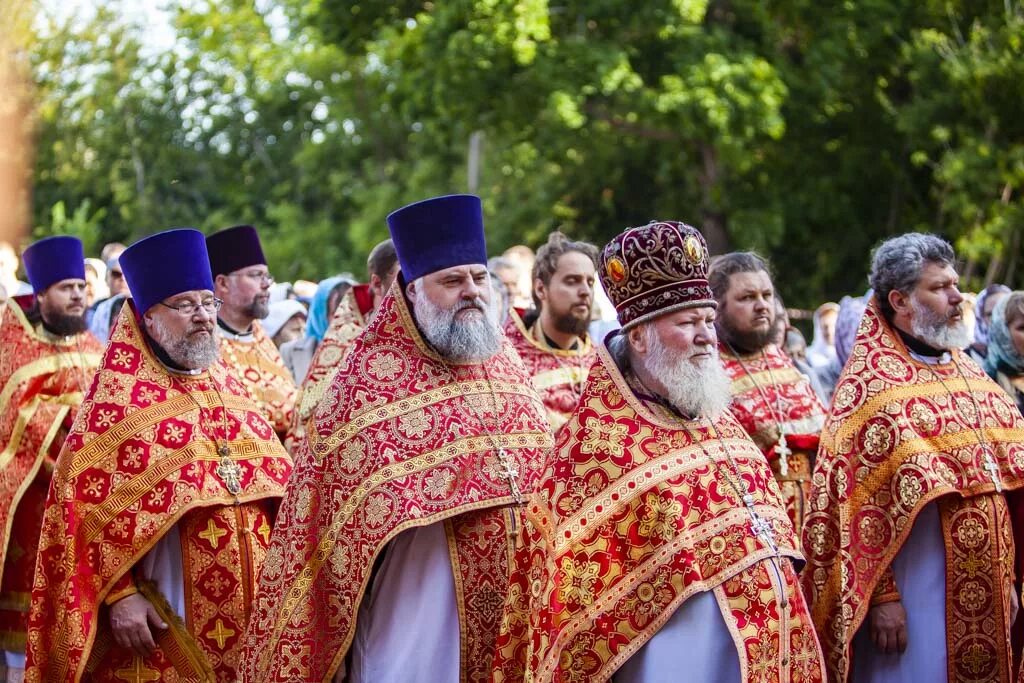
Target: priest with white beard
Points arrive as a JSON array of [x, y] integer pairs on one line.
[[390, 557], [657, 547]]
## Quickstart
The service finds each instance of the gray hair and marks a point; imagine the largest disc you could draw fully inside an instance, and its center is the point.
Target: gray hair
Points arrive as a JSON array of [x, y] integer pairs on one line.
[[897, 264]]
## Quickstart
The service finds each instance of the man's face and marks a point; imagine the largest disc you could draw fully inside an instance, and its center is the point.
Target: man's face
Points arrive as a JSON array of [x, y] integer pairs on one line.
[[116, 282], [510, 278], [379, 287], [246, 291], [567, 299], [748, 310], [935, 310], [188, 337], [689, 335], [453, 310], [62, 306], [828, 326]]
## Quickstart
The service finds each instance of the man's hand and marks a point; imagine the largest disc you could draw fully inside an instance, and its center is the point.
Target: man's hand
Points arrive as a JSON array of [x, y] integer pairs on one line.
[[130, 619], [888, 624]]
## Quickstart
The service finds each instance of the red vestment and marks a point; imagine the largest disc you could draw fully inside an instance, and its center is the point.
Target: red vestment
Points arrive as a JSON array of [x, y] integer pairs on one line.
[[43, 379], [903, 433], [769, 393], [151, 449], [637, 512], [401, 439], [559, 375]]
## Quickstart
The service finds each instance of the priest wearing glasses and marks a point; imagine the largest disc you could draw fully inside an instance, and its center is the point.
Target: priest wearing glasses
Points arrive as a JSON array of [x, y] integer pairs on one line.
[[160, 512]]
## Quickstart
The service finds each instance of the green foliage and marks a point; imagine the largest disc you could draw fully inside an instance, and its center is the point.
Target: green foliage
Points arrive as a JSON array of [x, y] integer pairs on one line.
[[808, 131]]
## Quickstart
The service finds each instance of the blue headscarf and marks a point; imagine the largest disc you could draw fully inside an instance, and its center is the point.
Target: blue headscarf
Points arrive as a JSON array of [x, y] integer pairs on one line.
[[318, 321], [1002, 355], [980, 326]]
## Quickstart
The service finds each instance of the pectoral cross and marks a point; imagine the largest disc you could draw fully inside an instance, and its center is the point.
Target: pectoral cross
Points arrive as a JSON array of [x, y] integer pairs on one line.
[[783, 451], [762, 528], [229, 471], [993, 472], [510, 471]]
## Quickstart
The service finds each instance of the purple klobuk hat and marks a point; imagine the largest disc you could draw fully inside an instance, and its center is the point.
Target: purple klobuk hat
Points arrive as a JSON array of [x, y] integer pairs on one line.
[[53, 259], [234, 248], [438, 233], [165, 264], [656, 269]]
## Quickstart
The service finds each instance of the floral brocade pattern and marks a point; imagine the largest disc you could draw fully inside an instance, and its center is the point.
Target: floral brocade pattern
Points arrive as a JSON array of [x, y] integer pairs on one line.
[[620, 535], [558, 375], [41, 385], [900, 434], [400, 439], [348, 321], [259, 367], [763, 386], [141, 454]]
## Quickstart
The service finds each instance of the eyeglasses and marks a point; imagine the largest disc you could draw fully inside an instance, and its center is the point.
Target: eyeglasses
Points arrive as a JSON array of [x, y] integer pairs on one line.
[[189, 308], [257, 275]]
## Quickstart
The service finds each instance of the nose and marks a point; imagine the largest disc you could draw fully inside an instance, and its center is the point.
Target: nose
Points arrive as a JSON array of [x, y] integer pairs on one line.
[[705, 335], [955, 297], [202, 314]]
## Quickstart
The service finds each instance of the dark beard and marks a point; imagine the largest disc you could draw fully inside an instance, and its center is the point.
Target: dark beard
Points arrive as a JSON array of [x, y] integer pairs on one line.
[[64, 325], [571, 324], [258, 310], [747, 342]]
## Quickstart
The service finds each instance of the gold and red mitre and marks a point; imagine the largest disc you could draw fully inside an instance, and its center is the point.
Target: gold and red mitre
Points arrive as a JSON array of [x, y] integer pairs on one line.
[[139, 457], [43, 379], [901, 433], [767, 388], [559, 375], [258, 365], [401, 439], [634, 515], [348, 321]]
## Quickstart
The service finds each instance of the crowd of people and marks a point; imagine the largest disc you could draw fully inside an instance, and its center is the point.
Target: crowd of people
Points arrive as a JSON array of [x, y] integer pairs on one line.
[[589, 463]]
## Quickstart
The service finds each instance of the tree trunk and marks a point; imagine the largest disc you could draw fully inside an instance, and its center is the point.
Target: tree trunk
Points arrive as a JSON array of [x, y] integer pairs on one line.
[[714, 223]]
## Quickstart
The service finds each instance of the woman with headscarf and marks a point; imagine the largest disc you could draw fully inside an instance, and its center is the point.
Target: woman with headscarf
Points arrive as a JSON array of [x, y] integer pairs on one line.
[[298, 354], [1005, 360], [983, 308]]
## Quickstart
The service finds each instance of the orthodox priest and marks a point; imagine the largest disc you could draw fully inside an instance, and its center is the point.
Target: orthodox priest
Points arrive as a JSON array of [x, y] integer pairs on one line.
[[160, 511], [657, 547], [771, 398], [552, 339], [908, 536], [242, 281], [390, 559], [350, 318], [47, 360]]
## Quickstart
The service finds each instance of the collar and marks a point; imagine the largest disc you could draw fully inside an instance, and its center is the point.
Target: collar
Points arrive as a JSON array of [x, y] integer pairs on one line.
[[232, 333]]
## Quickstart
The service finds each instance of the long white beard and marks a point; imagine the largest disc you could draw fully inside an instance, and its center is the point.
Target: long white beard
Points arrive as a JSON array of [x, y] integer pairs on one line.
[[461, 341], [935, 330], [698, 388]]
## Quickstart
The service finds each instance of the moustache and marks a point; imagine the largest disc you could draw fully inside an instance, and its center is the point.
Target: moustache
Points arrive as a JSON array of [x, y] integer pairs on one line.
[[208, 328], [478, 304]]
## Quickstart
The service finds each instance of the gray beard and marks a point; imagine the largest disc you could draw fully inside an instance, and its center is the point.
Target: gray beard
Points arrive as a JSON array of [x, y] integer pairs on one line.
[[935, 330], [197, 355], [472, 341], [258, 310], [701, 389]]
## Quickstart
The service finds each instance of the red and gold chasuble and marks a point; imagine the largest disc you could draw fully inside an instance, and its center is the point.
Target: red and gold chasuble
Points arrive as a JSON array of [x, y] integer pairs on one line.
[[559, 375], [257, 363], [901, 434], [149, 450], [348, 321], [43, 379], [401, 439], [637, 512], [769, 395]]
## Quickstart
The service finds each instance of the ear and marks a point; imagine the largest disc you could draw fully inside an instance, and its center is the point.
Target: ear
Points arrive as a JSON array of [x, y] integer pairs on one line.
[[540, 289], [899, 301], [220, 283], [410, 291], [637, 339]]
